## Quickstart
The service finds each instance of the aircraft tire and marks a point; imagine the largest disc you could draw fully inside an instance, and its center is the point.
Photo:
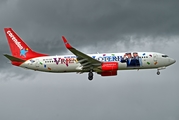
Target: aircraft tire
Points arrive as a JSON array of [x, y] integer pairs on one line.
[[158, 73], [90, 74], [90, 78]]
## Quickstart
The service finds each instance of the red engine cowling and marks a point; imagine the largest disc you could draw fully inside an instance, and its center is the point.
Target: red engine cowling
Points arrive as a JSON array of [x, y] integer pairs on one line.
[[109, 66], [109, 73]]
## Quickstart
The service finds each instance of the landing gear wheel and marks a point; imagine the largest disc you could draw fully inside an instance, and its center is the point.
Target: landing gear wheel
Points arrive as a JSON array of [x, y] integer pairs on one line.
[[90, 75], [90, 78], [158, 72]]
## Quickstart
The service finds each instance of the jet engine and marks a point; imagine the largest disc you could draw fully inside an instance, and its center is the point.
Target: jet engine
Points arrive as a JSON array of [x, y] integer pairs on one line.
[[109, 68]]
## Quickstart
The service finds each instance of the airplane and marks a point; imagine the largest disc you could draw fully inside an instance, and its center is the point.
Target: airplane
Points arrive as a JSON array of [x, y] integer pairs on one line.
[[105, 64]]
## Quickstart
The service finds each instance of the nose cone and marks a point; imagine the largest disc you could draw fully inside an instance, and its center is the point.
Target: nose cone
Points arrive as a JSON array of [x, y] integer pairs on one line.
[[172, 61]]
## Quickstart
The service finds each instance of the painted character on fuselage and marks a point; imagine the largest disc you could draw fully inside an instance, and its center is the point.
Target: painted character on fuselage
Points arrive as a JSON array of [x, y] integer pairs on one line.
[[131, 61]]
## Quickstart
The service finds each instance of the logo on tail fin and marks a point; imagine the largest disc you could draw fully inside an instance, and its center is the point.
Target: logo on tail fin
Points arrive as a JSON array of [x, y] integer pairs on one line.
[[23, 51]]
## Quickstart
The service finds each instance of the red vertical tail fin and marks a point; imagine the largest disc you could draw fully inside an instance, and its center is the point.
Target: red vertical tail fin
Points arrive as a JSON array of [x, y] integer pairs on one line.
[[18, 47]]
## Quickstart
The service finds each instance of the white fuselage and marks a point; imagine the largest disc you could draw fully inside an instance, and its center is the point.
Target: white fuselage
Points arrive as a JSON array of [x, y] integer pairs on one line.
[[69, 63]]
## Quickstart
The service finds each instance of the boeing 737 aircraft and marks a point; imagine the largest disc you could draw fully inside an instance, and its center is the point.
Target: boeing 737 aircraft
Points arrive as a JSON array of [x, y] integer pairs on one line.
[[106, 64]]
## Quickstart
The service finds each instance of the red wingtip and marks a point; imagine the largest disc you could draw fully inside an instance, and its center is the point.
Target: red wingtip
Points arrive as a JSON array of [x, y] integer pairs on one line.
[[68, 46]]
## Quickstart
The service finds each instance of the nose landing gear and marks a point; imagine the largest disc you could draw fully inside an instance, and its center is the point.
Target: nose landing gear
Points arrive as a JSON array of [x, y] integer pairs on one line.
[[158, 72], [160, 68]]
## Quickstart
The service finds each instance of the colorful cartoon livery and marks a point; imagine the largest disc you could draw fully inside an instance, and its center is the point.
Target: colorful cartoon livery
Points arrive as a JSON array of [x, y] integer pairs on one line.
[[106, 64]]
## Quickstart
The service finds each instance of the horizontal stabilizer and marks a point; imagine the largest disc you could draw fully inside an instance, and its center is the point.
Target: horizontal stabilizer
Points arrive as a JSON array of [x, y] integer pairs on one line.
[[12, 58]]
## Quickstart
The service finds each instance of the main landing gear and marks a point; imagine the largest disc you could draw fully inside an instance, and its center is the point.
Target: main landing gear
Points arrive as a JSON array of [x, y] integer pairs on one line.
[[90, 75]]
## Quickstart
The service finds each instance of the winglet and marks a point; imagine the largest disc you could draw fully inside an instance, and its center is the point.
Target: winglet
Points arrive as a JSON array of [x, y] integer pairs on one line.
[[68, 46]]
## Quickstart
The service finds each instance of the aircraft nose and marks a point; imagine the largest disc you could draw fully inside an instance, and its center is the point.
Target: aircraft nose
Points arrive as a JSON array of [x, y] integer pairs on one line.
[[172, 61]]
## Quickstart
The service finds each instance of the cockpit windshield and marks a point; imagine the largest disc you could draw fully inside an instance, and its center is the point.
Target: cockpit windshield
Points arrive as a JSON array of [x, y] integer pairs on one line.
[[164, 55]]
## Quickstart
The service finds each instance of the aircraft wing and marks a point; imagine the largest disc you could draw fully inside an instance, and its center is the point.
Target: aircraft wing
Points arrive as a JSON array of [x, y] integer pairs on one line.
[[86, 61]]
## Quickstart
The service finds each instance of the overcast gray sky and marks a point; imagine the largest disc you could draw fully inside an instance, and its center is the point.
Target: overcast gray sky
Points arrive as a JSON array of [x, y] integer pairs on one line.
[[91, 26]]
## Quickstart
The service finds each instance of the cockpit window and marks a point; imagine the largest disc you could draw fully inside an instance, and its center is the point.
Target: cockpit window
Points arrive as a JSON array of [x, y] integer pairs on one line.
[[164, 55]]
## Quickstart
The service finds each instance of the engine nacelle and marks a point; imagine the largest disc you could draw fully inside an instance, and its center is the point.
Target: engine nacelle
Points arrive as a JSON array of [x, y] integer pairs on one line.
[[109, 73], [109, 66]]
